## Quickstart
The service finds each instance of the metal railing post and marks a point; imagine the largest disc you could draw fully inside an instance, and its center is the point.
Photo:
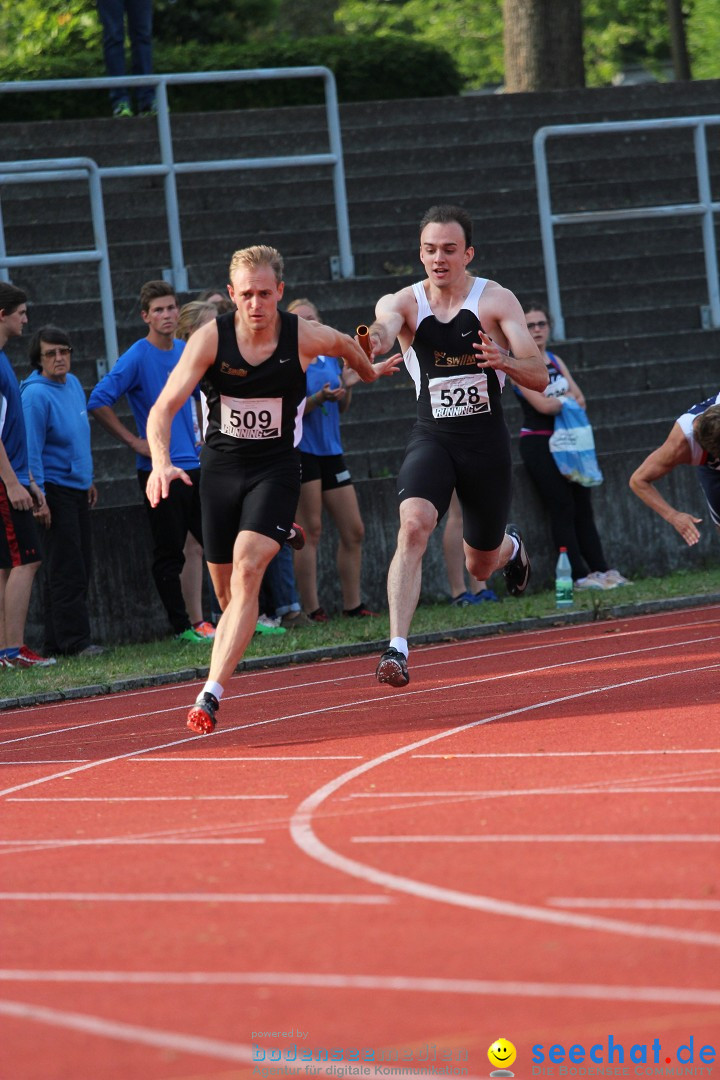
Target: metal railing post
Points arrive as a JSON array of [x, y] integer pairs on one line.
[[708, 223], [547, 236], [172, 209], [106, 292], [347, 263], [4, 272]]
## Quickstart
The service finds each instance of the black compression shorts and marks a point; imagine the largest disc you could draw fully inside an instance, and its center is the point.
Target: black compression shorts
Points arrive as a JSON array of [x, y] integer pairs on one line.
[[238, 496], [710, 483], [436, 463]]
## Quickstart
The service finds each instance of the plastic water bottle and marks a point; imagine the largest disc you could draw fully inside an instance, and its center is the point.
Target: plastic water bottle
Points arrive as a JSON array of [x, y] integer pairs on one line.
[[563, 581]]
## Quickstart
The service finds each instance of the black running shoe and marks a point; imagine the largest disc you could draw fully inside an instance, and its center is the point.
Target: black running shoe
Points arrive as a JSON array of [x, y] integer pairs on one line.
[[296, 537], [392, 668], [201, 717], [517, 571]]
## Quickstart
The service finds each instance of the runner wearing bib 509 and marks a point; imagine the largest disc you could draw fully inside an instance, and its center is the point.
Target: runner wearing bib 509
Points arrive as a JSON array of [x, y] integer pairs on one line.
[[251, 363]]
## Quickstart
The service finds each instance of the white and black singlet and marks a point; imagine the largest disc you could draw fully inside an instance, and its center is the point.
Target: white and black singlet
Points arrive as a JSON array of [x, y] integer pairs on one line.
[[250, 476], [708, 469], [460, 439]]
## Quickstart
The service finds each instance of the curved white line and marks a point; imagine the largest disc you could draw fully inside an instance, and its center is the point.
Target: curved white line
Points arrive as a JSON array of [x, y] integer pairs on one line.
[[302, 833]]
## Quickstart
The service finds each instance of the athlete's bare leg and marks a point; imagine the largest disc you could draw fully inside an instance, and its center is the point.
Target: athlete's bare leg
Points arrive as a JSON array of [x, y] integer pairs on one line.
[[251, 555], [481, 564], [418, 518]]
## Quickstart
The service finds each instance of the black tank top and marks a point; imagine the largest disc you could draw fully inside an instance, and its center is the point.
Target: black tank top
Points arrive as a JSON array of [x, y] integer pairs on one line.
[[254, 410], [453, 394]]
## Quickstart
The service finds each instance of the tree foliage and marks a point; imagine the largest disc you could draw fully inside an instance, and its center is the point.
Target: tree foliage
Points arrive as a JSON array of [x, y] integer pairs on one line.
[[617, 33]]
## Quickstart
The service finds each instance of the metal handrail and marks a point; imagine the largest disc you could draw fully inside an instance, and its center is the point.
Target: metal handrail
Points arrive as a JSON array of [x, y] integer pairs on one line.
[[704, 207], [169, 168], [47, 169]]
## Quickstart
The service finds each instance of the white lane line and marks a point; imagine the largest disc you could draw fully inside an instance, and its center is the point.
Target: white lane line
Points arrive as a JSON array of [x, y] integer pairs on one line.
[[195, 898], [676, 995], [140, 798], [111, 841], [494, 793], [484, 656], [634, 903], [547, 838], [540, 754], [256, 757], [303, 834], [133, 1033]]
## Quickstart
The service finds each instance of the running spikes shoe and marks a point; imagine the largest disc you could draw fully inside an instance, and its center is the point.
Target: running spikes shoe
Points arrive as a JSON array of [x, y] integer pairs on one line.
[[204, 629], [392, 668], [296, 537], [27, 658], [517, 571], [201, 718], [319, 615], [362, 611]]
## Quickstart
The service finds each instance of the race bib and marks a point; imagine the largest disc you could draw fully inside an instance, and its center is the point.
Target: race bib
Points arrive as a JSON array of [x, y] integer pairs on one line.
[[251, 418], [459, 395]]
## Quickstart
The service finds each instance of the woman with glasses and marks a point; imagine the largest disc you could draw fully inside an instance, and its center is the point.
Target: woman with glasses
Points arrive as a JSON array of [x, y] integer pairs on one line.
[[569, 504], [58, 435]]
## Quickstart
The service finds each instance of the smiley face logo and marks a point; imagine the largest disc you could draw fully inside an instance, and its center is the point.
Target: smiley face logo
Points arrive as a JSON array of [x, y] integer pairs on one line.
[[502, 1054]]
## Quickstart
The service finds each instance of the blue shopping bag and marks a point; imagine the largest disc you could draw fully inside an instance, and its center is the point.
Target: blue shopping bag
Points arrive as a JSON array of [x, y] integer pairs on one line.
[[572, 445]]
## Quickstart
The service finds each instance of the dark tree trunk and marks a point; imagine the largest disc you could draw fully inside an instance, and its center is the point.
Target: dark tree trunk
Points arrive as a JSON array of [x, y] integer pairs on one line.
[[543, 45], [681, 61]]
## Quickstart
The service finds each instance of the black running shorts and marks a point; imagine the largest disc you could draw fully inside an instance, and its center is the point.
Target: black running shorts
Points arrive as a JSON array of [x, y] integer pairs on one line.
[[481, 471], [238, 496], [19, 541], [710, 483], [328, 468]]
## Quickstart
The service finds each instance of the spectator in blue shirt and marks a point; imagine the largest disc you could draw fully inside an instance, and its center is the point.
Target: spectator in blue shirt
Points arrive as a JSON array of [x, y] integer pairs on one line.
[[326, 481], [58, 437], [20, 498], [141, 373]]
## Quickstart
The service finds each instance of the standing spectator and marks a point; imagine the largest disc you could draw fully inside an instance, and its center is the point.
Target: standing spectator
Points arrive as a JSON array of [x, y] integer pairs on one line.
[[569, 504], [476, 592], [58, 434], [19, 543], [141, 373], [139, 24], [326, 480]]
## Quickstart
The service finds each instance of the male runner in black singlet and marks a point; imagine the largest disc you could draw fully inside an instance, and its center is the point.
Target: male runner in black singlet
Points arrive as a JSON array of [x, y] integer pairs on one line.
[[251, 364], [460, 336]]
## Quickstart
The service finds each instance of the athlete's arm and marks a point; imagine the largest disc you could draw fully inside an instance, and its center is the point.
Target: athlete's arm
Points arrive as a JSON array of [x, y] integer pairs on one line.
[[674, 451], [393, 313], [197, 356], [316, 339], [503, 315]]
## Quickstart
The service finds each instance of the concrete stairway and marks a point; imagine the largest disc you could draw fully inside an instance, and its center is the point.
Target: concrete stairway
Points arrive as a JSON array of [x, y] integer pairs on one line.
[[633, 293]]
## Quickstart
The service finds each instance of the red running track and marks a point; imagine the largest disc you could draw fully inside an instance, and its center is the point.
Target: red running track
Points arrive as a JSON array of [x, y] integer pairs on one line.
[[522, 843]]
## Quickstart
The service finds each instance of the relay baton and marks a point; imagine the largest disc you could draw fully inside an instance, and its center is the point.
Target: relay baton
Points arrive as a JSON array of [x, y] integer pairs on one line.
[[363, 336]]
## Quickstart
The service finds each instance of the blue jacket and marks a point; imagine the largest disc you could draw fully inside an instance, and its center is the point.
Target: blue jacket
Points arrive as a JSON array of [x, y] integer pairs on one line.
[[58, 431], [12, 421], [141, 373]]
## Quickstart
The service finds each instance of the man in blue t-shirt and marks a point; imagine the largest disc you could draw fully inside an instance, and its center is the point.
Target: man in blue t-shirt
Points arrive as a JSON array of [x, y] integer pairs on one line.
[[20, 498], [141, 373]]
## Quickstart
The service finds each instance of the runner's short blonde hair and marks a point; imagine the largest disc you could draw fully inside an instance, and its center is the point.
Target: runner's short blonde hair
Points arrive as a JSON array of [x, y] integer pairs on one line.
[[259, 255]]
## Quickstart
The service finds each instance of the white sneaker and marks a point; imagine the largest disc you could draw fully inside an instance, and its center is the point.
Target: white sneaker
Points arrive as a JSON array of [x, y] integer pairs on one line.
[[596, 580], [614, 577]]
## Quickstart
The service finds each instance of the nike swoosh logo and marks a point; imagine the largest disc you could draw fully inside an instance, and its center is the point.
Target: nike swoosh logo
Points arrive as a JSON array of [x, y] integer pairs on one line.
[[466, 333], [286, 360]]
